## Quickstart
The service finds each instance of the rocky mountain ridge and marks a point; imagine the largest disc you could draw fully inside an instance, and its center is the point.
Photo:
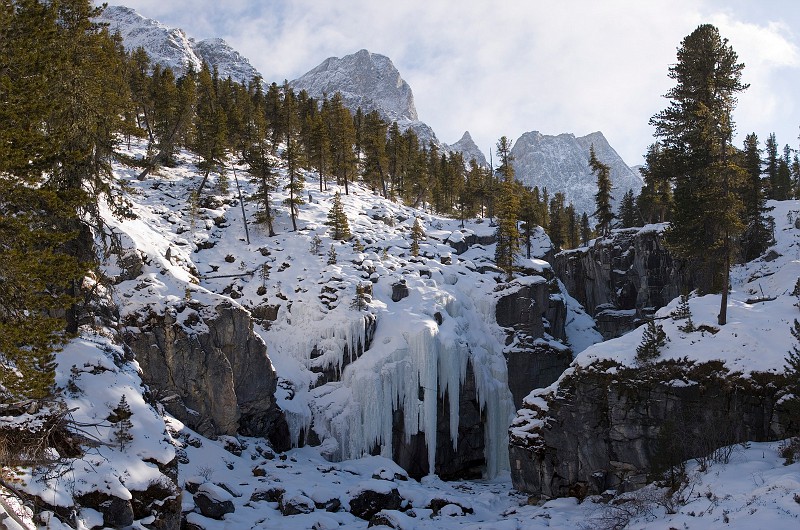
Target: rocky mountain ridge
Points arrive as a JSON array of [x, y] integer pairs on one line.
[[561, 163], [172, 47]]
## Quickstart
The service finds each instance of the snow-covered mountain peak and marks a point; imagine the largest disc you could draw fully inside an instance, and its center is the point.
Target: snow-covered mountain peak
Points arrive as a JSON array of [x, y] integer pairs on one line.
[[467, 147], [561, 163], [173, 48], [367, 80]]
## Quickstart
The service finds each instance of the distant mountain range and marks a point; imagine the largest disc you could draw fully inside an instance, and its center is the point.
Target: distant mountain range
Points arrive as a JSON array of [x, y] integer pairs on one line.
[[371, 81]]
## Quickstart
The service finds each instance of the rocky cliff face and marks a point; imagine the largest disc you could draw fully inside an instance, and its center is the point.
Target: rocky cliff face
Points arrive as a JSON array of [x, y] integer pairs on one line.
[[209, 370], [173, 48], [561, 163], [623, 278], [611, 427]]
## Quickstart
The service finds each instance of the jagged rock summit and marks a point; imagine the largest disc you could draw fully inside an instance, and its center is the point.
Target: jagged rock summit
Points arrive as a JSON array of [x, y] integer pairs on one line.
[[369, 81], [364, 79], [173, 48], [467, 147], [561, 163]]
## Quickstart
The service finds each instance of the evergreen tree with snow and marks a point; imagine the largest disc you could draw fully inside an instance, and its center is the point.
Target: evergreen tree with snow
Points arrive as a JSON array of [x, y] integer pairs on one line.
[[121, 417], [757, 235], [210, 133], [331, 256], [417, 235], [507, 211], [655, 201], [696, 129], [653, 339], [291, 154], [602, 198], [337, 219]]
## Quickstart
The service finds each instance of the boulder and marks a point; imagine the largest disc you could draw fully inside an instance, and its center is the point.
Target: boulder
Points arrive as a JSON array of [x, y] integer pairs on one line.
[[117, 513], [399, 291], [374, 496], [296, 504], [213, 501]]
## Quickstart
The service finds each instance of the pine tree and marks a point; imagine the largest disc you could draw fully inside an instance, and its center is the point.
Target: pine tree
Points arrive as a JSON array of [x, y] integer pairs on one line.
[[121, 417], [507, 210], [696, 129], [291, 154], [757, 235], [331, 256], [602, 198], [586, 229], [337, 219], [653, 339], [417, 235], [362, 298], [210, 133], [771, 166], [342, 136], [315, 245], [655, 200], [557, 228], [628, 217], [256, 154]]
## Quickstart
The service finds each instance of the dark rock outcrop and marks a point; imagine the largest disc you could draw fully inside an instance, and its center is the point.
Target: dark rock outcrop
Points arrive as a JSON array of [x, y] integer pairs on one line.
[[399, 291], [117, 513], [368, 502], [609, 426], [213, 501], [209, 370], [531, 312], [623, 278]]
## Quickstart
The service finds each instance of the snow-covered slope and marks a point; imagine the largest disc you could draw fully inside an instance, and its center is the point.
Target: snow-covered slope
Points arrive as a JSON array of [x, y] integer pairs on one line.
[[173, 48], [561, 163]]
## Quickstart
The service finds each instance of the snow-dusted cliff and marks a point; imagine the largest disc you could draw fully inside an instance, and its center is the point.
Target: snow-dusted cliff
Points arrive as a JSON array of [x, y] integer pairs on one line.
[[561, 163]]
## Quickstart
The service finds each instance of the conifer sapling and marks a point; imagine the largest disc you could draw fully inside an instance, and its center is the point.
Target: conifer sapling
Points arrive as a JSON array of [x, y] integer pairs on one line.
[[653, 340]]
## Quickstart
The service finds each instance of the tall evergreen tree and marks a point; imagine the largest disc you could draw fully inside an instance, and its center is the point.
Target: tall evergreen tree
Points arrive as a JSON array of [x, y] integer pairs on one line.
[[771, 166], [210, 132], [602, 198], [291, 154], [655, 200], [586, 229], [508, 206], [628, 216], [757, 235], [696, 128]]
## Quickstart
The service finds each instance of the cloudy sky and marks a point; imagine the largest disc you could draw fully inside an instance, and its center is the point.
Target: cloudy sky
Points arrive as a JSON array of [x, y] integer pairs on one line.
[[506, 67]]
